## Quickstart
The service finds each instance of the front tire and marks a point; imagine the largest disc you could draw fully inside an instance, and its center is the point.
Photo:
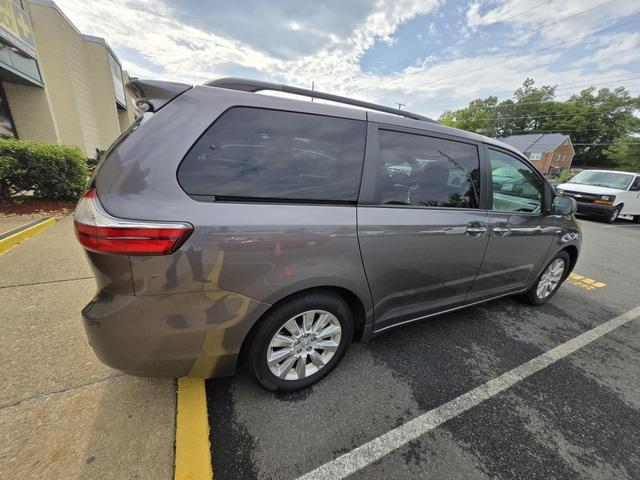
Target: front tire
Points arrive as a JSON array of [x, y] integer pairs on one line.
[[614, 215], [300, 341], [549, 280]]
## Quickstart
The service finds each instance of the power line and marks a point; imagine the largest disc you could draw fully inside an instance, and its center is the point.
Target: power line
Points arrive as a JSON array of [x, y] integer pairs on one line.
[[598, 81], [523, 11], [575, 130], [564, 43], [581, 144], [530, 117]]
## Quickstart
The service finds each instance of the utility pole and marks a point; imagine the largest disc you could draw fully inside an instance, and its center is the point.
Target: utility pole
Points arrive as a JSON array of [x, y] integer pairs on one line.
[[400, 105], [313, 88]]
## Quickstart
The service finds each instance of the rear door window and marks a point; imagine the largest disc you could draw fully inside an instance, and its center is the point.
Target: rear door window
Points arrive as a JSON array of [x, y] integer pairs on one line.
[[252, 153], [426, 171]]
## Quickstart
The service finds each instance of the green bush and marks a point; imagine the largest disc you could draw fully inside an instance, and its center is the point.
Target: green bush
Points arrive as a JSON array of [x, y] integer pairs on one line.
[[54, 172]]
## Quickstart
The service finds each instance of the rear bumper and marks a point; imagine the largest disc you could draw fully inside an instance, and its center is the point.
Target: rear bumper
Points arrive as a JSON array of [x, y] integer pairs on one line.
[[194, 334], [595, 209]]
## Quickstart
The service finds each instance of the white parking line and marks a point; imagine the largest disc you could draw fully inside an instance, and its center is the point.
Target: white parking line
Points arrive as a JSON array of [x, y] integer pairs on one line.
[[377, 448], [621, 225]]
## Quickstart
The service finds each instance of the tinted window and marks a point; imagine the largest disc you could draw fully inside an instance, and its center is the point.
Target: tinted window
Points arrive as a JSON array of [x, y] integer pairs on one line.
[[250, 152], [516, 187], [427, 171]]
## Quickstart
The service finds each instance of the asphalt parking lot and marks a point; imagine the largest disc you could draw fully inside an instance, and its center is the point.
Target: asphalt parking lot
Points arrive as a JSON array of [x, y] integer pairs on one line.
[[65, 415], [577, 418]]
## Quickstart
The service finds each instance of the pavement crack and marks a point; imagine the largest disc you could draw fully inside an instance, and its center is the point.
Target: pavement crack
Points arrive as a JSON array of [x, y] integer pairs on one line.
[[42, 396], [45, 283]]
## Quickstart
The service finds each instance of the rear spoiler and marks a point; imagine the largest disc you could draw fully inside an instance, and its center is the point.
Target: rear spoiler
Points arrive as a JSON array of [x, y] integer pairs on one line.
[[152, 95]]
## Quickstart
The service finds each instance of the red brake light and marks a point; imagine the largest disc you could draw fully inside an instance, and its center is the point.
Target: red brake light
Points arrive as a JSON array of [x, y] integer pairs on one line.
[[99, 232]]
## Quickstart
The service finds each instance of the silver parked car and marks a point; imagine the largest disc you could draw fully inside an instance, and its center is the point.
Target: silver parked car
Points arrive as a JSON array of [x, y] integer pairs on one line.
[[226, 225]]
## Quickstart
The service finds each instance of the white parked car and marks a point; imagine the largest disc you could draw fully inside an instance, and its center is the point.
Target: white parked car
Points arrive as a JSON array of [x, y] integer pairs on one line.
[[605, 193]]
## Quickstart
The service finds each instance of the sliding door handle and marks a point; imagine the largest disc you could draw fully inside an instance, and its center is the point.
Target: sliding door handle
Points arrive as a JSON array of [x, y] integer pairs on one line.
[[476, 229]]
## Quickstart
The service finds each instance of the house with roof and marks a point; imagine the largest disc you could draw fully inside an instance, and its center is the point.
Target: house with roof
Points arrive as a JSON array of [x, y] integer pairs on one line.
[[550, 153]]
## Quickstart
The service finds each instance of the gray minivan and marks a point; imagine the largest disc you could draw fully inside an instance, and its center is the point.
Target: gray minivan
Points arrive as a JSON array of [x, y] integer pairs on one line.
[[227, 224]]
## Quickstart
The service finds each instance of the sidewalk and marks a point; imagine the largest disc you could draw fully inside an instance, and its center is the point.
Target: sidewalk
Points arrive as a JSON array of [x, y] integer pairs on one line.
[[62, 413]]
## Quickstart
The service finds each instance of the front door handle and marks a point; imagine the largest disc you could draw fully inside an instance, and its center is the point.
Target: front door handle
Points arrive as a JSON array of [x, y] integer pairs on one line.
[[476, 229]]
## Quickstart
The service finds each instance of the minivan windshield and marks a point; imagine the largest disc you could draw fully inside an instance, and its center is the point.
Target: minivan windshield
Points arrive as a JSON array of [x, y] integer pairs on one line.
[[620, 181]]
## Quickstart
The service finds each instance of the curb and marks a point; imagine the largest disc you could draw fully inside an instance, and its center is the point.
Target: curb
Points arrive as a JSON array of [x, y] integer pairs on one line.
[[10, 239], [193, 451]]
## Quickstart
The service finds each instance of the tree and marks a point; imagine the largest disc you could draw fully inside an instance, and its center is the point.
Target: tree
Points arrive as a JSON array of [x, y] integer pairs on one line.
[[625, 153], [592, 119], [475, 118]]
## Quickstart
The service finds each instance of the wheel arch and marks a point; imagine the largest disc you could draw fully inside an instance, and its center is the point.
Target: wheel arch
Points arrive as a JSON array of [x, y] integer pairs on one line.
[[573, 252]]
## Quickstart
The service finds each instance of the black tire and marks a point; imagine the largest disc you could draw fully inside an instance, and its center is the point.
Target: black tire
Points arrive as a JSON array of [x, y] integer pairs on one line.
[[636, 219], [531, 296], [614, 215], [274, 321]]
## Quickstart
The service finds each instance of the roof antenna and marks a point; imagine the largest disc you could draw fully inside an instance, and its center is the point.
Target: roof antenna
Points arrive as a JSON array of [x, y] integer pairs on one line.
[[313, 87], [400, 105]]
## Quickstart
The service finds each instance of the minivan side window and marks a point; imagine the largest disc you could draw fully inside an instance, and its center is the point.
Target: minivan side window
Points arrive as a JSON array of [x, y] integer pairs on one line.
[[516, 187], [253, 153], [427, 171]]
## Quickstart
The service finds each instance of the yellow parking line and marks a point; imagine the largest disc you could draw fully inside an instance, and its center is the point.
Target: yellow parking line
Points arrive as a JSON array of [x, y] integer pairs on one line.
[[193, 451], [10, 241], [584, 282]]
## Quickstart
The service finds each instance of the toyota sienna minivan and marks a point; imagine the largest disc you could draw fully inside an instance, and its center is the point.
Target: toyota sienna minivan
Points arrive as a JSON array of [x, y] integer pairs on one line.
[[230, 225]]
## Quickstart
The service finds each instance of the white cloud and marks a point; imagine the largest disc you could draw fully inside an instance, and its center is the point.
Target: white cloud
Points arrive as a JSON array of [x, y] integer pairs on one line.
[[170, 48], [620, 49]]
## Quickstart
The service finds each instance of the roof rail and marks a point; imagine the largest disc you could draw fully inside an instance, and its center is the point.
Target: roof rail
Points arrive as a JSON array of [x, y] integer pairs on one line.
[[245, 85]]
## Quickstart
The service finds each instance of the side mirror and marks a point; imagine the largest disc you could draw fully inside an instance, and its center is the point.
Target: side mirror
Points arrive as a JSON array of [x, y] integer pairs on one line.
[[563, 206]]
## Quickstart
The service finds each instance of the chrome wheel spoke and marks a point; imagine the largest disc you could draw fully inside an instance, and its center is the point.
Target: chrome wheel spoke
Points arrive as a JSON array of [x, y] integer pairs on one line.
[[282, 341], [327, 332], [286, 366], [307, 321], [317, 360], [293, 328], [279, 355], [323, 319], [328, 345], [301, 367]]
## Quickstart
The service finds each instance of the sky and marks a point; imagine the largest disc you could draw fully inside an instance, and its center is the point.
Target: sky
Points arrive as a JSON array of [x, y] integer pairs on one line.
[[430, 55]]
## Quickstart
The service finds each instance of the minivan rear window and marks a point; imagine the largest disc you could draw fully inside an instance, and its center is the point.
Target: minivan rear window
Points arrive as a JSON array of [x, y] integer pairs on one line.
[[254, 153]]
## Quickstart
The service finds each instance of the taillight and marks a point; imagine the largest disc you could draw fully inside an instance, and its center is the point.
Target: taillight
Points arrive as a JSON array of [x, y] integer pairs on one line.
[[99, 232]]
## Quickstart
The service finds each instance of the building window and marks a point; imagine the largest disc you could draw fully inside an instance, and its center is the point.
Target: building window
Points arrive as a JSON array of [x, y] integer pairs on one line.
[[7, 129], [535, 156]]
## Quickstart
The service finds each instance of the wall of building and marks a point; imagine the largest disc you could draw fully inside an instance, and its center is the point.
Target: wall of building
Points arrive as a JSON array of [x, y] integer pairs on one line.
[[128, 116], [557, 160], [562, 157], [102, 98], [32, 112], [77, 105]]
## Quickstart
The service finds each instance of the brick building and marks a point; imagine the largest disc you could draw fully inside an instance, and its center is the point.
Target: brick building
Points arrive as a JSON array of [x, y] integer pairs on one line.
[[58, 85], [550, 153]]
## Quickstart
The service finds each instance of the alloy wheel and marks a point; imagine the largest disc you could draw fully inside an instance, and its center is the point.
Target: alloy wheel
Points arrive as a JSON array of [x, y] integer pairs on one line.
[[614, 215], [550, 278], [304, 344]]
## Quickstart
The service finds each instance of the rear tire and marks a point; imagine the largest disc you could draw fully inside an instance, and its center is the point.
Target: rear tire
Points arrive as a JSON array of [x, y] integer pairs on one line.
[[549, 280], [636, 219], [305, 337]]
